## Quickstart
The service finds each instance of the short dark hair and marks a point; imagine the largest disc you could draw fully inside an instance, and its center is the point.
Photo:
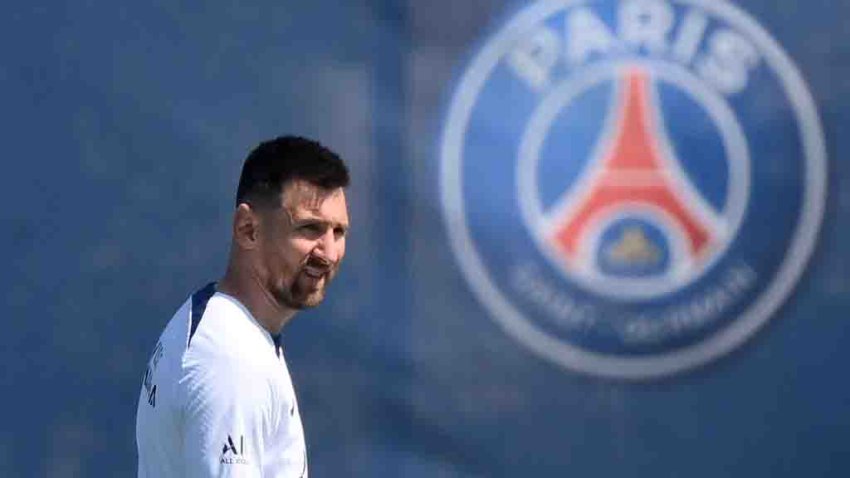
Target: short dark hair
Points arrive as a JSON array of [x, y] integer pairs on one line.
[[275, 162]]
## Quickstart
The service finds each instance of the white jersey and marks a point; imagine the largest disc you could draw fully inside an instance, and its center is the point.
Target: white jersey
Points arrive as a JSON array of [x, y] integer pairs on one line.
[[217, 398]]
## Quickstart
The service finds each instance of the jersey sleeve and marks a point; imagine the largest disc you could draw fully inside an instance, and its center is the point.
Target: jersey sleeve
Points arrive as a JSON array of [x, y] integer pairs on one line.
[[228, 415]]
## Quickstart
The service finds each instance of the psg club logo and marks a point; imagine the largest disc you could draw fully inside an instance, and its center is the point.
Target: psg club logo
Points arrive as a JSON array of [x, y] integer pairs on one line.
[[632, 188]]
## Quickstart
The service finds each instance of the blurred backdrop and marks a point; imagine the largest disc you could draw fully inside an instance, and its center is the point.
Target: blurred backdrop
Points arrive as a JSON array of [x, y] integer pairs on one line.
[[461, 338]]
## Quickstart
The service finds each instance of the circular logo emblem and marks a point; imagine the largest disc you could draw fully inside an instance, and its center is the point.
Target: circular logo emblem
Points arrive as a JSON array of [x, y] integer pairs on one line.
[[632, 188]]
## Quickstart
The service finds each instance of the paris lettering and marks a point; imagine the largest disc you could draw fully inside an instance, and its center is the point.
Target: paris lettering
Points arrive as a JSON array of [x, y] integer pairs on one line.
[[719, 55]]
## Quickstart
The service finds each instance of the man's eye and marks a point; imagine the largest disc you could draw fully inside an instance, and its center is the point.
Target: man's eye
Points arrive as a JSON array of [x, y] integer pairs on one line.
[[314, 228]]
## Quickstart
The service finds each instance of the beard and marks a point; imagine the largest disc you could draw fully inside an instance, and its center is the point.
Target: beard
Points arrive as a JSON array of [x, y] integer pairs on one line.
[[304, 291]]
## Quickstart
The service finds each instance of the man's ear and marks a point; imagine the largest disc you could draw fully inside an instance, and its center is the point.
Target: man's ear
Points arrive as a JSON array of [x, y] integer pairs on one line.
[[246, 227]]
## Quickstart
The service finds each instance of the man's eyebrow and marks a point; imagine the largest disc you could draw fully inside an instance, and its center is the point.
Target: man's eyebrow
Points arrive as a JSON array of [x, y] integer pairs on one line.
[[317, 220]]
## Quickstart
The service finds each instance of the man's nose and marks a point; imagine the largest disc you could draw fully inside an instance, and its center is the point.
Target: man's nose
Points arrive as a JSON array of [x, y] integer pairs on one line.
[[326, 247]]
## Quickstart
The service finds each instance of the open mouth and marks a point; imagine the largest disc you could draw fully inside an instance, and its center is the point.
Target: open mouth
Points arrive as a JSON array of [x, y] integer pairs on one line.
[[314, 273], [315, 270]]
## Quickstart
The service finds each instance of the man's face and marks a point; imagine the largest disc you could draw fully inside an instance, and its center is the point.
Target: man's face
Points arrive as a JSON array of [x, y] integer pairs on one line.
[[303, 243]]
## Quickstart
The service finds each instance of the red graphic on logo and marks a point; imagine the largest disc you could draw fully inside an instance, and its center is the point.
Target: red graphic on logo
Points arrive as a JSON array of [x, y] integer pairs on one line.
[[634, 172]]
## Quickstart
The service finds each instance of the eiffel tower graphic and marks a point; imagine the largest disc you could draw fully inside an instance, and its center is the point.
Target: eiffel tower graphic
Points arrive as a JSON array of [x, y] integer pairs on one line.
[[636, 171]]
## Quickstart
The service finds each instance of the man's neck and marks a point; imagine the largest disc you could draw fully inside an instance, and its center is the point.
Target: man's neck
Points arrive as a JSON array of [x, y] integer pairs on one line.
[[256, 298]]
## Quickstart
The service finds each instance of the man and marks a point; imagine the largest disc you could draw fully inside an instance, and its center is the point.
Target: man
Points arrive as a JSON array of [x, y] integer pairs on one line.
[[217, 398]]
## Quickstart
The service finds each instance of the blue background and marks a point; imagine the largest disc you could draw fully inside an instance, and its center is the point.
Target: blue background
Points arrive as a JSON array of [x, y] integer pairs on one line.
[[124, 128]]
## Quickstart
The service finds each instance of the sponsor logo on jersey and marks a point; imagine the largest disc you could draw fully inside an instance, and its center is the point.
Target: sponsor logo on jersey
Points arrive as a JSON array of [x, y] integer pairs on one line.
[[233, 452], [632, 188]]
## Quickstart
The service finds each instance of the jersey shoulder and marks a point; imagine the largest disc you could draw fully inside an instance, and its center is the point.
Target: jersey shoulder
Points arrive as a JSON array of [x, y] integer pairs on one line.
[[227, 346], [222, 329]]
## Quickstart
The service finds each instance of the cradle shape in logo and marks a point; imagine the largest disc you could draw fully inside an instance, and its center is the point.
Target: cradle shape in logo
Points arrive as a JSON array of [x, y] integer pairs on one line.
[[632, 188]]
